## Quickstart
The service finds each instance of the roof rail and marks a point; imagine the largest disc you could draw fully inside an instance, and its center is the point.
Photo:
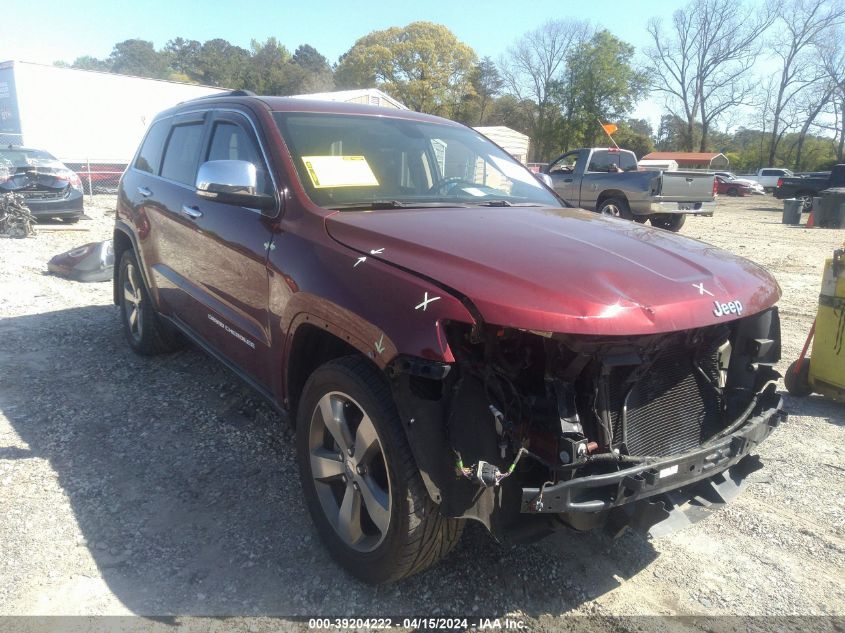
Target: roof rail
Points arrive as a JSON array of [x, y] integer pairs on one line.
[[230, 93]]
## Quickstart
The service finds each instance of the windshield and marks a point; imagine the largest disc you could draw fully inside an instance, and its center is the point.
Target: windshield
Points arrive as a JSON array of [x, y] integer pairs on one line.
[[362, 162]]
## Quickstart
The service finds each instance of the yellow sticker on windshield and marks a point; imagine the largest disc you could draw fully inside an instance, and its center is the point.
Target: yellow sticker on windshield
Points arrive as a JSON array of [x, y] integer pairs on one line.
[[339, 171]]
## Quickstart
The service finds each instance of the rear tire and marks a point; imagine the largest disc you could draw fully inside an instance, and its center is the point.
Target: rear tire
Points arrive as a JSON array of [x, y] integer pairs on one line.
[[616, 207], [806, 201], [379, 523], [797, 380], [144, 330], [669, 221], [733, 192]]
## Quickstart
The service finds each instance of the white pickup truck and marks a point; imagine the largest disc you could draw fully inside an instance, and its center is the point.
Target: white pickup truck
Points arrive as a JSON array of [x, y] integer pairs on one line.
[[768, 177]]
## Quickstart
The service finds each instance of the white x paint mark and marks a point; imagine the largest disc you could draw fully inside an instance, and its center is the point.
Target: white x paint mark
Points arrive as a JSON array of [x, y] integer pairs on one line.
[[268, 245], [425, 302], [702, 290], [379, 344], [361, 260], [376, 251]]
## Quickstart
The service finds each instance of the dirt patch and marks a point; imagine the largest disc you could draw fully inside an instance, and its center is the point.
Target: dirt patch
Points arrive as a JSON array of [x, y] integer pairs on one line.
[[162, 487]]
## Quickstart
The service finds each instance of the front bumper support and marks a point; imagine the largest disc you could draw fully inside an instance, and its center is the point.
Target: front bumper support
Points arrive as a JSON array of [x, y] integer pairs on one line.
[[605, 491]]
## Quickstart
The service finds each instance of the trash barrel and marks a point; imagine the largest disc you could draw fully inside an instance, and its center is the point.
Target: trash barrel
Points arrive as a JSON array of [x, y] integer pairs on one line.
[[832, 208], [792, 208]]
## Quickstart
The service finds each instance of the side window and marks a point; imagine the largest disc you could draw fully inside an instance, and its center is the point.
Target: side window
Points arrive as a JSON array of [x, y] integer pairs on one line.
[[565, 164], [182, 154], [149, 158], [232, 142], [600, 161], [628, 162]]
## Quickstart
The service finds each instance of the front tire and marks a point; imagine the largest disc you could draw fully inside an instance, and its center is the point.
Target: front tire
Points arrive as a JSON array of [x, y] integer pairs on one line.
[[617, 207], [360, 481], [669, 221], [142, 327]]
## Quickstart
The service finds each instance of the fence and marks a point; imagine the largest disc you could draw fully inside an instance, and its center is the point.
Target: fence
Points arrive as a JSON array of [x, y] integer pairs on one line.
[[97, 176]]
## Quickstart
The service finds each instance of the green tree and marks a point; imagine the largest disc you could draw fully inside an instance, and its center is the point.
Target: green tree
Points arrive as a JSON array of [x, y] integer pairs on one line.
[[423, 65], [138, 58], [487, 84], [183, 57], [533, 68], [270, 69], [601, 85], [635, 135], [316, 75], [219, 63], [86, 62]]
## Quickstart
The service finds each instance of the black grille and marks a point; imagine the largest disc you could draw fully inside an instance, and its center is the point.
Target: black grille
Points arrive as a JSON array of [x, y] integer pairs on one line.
[[671, 407]]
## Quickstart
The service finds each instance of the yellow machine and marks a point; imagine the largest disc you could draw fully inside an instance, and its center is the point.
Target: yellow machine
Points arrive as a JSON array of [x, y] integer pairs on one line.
[[824, 371]]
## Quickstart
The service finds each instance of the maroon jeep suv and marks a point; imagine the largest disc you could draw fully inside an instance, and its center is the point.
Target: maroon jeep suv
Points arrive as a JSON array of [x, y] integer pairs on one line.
[[452, 341]]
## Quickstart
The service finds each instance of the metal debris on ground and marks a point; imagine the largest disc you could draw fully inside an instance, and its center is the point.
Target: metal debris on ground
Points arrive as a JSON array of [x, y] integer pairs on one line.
[[89, 262], [15, 219]]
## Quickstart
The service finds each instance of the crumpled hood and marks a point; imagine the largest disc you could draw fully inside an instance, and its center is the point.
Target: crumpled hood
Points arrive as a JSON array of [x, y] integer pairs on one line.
[[563, 270]]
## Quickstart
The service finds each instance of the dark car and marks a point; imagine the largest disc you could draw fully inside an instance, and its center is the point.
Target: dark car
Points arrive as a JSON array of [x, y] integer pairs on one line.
[[805, 188], [49, 188], [452, 341]]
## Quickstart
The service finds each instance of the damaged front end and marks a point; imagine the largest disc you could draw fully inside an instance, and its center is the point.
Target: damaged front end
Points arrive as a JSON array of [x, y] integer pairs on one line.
[[530, 431]]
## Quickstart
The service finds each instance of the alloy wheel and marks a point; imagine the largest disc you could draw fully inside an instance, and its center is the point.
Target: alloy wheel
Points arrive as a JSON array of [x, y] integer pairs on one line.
[[132, 302], [612, 209], [349, 471]]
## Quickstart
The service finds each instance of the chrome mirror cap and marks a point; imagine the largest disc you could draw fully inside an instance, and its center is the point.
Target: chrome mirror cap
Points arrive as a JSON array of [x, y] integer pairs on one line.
[[227, 177]]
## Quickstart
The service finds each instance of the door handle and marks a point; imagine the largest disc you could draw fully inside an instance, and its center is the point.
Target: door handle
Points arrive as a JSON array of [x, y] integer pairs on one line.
[[145, 192], [191, 212], [567, 180]]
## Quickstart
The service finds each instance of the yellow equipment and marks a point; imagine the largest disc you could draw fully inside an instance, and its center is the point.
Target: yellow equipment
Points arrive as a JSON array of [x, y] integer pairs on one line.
[[824, 371]]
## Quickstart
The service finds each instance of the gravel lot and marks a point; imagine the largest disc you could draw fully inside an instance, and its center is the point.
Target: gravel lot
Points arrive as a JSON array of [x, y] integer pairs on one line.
[[163, 487]]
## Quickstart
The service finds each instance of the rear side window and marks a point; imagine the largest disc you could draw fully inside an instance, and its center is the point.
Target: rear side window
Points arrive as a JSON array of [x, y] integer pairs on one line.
[[149, 158], [182, 154], [232, 142]]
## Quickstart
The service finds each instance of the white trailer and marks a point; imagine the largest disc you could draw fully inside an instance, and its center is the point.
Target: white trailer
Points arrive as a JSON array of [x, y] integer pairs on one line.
[[83, 117]]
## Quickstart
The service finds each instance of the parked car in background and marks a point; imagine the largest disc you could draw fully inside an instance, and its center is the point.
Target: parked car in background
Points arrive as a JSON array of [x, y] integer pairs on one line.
[[767, 177], [728, 187], [49, 188], [807, 187], [453, 342], [756, 187], [607, 180]]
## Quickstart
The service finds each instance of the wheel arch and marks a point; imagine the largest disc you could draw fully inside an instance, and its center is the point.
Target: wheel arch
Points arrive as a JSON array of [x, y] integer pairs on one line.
[[121, 242], [607, 194], [311, 345]]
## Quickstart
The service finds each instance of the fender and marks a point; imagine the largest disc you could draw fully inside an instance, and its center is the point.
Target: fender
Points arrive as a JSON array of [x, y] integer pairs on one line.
[[121, 226]]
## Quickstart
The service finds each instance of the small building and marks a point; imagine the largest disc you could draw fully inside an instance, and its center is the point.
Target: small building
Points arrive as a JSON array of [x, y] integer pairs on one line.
[[693, 160], [513, 142], [365, 96], [651, 164]]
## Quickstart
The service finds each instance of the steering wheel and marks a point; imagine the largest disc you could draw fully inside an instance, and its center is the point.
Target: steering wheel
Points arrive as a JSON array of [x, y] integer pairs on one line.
[[446, 182]]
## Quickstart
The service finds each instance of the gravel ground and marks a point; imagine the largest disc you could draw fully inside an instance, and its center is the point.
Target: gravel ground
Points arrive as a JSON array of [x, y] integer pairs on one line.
[[163, 487]]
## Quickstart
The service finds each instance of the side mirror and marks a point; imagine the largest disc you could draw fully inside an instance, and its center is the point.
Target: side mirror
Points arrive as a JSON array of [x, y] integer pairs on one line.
[[545, 179], [232, 182]]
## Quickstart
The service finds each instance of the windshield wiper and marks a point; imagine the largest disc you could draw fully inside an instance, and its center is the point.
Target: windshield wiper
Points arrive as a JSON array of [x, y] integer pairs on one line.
[[372, 204], [390, 204], [504, 203]]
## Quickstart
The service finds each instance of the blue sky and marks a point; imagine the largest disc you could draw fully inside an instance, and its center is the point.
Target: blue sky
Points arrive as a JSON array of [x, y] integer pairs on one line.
[[46, 31]]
